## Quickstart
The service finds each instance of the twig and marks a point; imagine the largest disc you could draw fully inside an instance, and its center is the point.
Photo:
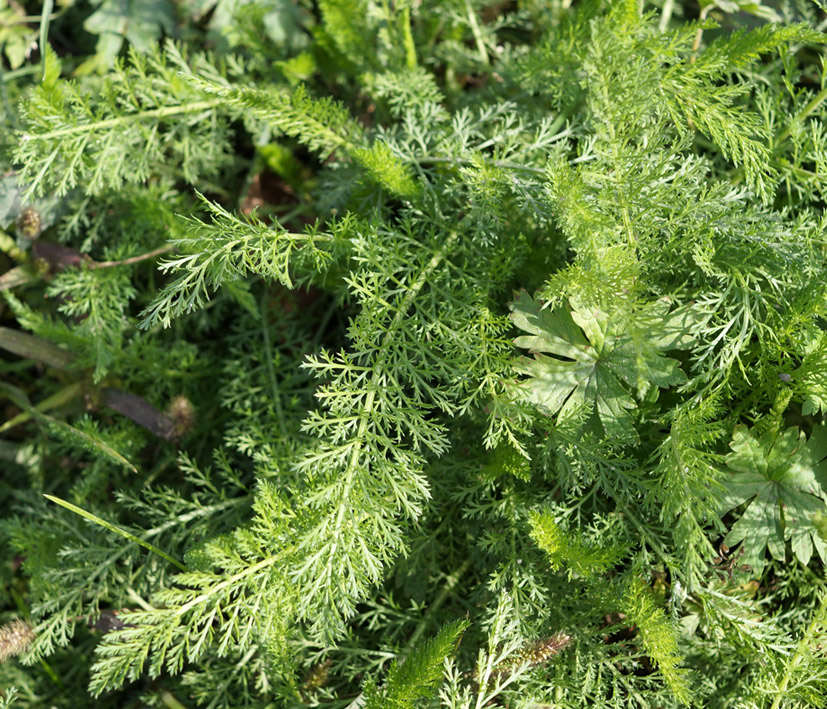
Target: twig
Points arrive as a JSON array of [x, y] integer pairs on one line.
[[134, 259], [666, 15], [696, 45]]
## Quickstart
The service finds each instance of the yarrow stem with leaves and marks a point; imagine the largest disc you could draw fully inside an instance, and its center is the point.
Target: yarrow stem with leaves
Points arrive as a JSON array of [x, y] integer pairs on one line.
[[413, 355]]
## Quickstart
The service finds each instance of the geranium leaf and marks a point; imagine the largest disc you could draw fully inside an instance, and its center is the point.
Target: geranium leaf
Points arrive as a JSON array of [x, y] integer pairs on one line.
[[776, 474], [596, 361]]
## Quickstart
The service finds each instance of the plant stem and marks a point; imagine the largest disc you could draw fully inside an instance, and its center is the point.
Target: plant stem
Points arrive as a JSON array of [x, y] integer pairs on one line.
[[43, 35], [170, 701], [164, 112], [373, 386], [696, 45], [407, 38], [645, 534], [115, 528], [58, 399], [435, 159], [666, 15], [450, 584], [134, 259], [816, 101], [475, 29], [738, 176], [803, 646], [229, 581]]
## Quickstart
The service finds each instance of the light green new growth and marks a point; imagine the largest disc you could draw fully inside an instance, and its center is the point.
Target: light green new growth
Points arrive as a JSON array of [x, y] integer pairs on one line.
[[565, 550], [412, 682], [658, 638]]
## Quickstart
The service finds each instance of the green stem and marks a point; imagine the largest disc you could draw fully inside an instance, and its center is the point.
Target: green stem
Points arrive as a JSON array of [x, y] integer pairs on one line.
[[22, 71], [803, 647], [666, 15], [621, 197], [195, 514], [450, 584], [323, 323], [816, 101], [120, 120], [133, 596], [45, 20], [645, 534], [170, 701], [134, 259], [696, 45], [58, 399], [367, 412], [435, 160], [232, 580], [114, 528], [475, 29], [407, 38], [738, 176]]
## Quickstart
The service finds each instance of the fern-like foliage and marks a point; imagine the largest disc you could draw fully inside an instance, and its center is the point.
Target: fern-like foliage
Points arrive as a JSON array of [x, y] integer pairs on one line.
[[226, 250], [180, 626], [658, 637], [448, 320], [413, 681], [690, 483], [123, 131]]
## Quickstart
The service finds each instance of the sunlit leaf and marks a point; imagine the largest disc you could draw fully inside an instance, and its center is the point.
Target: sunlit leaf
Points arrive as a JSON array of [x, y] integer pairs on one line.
[[781, 478]]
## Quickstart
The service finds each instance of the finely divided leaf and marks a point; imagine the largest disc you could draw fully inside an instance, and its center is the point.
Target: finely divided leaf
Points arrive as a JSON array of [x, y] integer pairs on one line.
[[413, 681]]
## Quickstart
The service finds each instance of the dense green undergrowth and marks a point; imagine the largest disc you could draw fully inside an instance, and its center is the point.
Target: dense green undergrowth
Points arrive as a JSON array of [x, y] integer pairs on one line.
[[413, 354]]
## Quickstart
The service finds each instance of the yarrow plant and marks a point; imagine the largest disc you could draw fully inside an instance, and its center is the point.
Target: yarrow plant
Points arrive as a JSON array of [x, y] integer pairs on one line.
[[390, 354]]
